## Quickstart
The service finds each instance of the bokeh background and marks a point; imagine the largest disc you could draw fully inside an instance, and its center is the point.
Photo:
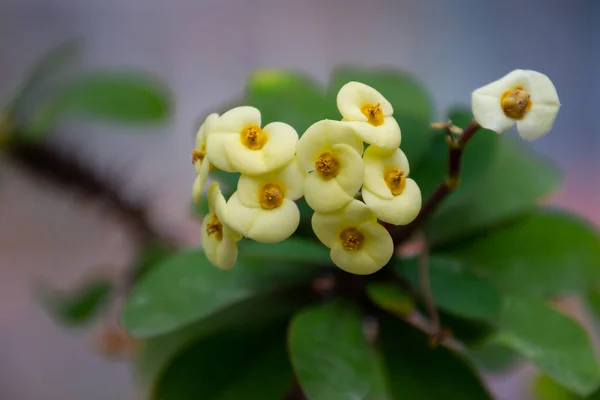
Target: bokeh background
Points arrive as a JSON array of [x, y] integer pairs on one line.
[[204, 50]]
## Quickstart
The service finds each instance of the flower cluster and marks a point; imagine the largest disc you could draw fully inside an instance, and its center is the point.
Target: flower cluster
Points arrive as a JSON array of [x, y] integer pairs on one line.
[[352, 190], [328, 165]]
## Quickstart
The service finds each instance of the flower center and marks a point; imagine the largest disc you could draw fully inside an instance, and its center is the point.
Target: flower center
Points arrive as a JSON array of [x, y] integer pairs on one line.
[[395, 180], [214, 227], [271, 196], [198, 155], [253, 137], [352, 239], [374, 114], [515, 102], [327, 166]]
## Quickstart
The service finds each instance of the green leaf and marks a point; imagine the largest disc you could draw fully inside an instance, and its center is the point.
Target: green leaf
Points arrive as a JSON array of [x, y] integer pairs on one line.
[[239, 364], [294, 249], [552, 341], [186, 288], [118, 97], [515, 180], [477, 160], [416, 371], [151, 255], [391, 298], [290, 97], [455, 289], [331, 357], [543, 253], [491, 357], [593, 301], [413, 106], [157, 354], [78, 307], [45, 69], [545, 388], [228, 181]]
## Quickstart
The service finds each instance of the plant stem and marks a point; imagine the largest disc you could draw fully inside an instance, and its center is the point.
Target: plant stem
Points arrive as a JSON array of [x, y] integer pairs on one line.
[[448, 184], [426, 287]]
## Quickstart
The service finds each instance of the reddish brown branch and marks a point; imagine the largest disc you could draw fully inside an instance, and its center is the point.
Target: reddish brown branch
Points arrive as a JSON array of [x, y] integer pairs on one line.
[[450, 182]]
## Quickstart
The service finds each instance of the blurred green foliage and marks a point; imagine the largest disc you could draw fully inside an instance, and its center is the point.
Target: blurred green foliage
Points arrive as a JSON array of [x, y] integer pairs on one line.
[[55, 90], [78, 307]]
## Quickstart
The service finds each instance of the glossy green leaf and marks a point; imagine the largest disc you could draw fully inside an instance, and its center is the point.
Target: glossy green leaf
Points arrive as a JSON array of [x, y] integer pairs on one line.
[[232, 365], [413, 106], [476, 162], [294, 249], [157, 354], [552, 341], [491, 357], [77, 307], [542, 254], [391, 298], [516, 180], [416, 371], [455, 289], [121, 97], [331, 356], [150, 256], [290, 97], [186, 288]]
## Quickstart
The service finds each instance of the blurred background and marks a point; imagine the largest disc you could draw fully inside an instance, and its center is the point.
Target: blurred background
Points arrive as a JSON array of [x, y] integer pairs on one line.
[[204, 50]]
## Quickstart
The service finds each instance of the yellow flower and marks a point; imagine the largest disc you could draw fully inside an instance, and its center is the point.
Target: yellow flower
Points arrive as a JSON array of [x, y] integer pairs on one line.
[[239, 144], [201, 165], [358, 244], [389, 193], [263, 207], [522, 97], [218, 239], [332, 151], [369, 114]]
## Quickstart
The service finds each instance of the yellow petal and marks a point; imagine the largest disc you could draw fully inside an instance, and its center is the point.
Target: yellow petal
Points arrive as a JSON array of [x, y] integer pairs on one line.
[[355, 262], [538, 121], [320, 138], [200, 181], [216, 144], [325, 196], [378, 242], [290, 178], [353, 95], [281, 145], [401, 209], [327, 227], [486, 101], [271, 226], [236, 119], [221, 254], [293, 177], [205, 129], [352, 172], [386, 136], [542, 89], [377, 161], [266, 226], [278, 151], [377, 250]]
